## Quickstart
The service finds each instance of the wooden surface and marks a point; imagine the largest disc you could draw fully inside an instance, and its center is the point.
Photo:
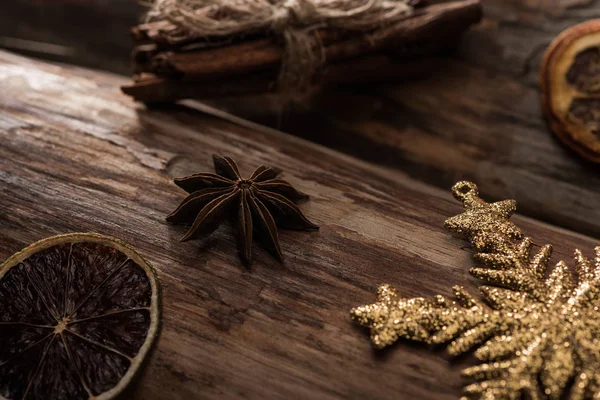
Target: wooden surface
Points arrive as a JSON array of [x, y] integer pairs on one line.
[[478, 116], [76, 155]]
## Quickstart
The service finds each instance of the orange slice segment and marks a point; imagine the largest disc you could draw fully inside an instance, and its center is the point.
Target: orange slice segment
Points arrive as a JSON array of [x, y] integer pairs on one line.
[[78, 314]]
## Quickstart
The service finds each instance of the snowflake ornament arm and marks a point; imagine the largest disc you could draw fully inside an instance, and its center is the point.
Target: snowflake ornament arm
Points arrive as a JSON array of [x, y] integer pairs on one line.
[[536, 335]]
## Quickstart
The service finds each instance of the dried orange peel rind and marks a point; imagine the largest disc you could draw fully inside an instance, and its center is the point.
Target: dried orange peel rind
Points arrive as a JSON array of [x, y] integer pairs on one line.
[[78, 315], [570, 88]]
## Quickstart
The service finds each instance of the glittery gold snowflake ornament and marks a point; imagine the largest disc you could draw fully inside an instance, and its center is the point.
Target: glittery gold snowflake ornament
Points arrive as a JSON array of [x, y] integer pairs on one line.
[[537, 331]]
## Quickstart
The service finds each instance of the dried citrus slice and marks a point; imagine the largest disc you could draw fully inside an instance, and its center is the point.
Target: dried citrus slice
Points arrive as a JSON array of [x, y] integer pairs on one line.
[[78, 313], [570, 85]]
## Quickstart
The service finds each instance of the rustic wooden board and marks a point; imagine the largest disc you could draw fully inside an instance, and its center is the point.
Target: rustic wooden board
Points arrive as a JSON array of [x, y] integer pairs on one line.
[[76, 155], [478, 117]]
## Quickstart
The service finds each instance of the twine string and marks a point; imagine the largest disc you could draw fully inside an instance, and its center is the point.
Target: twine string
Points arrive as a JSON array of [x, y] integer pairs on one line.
[[292, 20]]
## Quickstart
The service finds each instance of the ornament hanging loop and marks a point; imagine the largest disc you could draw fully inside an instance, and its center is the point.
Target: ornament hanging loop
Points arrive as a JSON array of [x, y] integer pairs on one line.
[[467, 193]]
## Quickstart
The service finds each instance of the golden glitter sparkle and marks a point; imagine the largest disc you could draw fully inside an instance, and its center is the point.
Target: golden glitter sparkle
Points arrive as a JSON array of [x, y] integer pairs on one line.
[[537, 332]]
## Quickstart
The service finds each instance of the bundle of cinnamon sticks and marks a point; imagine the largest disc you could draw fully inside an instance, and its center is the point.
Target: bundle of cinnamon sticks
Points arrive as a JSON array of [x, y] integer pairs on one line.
[[168, 68]]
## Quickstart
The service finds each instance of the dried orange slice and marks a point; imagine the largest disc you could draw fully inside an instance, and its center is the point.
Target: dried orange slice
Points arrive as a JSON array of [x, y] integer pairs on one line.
[[78, 314], [570, 85]]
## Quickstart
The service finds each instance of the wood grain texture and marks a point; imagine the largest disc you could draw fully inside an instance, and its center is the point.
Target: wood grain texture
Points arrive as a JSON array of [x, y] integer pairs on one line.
[[477, 117], [76, 155]]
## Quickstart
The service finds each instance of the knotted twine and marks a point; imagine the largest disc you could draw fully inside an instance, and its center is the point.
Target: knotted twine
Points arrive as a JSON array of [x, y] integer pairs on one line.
[[292, 20]]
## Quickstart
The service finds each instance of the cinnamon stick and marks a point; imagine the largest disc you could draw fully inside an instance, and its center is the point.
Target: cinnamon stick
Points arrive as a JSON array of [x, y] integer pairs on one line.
[[370, 69], [211, 62], [427, 27], [170, 68], [231, 60]]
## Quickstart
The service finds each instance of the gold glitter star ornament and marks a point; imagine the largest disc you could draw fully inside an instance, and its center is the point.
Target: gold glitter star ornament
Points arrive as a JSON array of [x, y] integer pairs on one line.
[[537, 334]]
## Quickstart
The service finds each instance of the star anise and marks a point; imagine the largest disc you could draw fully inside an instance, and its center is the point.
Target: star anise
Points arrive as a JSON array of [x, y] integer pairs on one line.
[[259, 204]]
